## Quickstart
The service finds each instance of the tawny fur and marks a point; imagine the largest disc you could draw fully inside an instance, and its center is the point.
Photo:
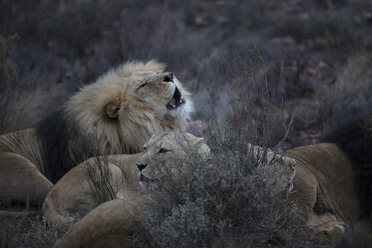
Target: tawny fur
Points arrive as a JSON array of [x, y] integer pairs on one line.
[[354, 138], [115, 112], [324, 186], [75, 187], [105, 225], [137, 120]]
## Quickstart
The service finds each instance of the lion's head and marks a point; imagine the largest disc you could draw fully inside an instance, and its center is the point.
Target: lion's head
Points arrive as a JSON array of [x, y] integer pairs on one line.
[[129, 104], [282, 166], [167, 149]]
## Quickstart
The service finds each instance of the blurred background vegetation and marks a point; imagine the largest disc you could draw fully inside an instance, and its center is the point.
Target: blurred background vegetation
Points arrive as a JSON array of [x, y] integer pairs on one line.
[[315, 55]]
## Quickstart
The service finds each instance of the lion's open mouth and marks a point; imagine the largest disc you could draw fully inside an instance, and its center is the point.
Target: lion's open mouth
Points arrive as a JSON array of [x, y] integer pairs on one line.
[[176, 100]]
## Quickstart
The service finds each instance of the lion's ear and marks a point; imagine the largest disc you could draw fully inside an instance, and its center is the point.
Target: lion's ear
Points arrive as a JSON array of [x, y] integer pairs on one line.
[[112, 110], [197, 142]]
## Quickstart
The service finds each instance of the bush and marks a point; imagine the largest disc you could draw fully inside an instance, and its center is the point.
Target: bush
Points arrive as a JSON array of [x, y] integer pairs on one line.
[[41, 235], [227, 195]]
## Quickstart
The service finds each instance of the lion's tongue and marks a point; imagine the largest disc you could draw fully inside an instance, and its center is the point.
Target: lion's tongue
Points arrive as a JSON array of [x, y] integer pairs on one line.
[[173, 102]]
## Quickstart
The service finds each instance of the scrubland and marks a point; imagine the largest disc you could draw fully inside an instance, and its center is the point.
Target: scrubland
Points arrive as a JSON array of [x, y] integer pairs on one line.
[[273, 73]]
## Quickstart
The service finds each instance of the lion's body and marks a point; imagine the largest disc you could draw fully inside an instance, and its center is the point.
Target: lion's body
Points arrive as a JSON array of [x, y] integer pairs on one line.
[[74, 189], [354, 138], [21, 169], [105, 225], [115, 115], [333, 181], [324, 186]]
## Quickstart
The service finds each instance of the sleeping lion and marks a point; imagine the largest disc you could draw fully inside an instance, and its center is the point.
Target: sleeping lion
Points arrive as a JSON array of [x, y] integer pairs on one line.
[[116, 114], [333, 180], [104, 225]]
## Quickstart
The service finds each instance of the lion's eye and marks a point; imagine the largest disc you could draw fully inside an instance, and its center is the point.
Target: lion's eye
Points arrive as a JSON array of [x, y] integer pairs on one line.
[[162, 150], [143, 85], [144, 148]]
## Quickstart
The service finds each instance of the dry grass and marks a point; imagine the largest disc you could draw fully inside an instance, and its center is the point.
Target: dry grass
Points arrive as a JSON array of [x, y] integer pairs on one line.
[[350, 94]]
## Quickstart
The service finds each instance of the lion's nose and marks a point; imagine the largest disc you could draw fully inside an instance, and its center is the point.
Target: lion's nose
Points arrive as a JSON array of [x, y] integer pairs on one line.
[[141, 166], [169, 77]]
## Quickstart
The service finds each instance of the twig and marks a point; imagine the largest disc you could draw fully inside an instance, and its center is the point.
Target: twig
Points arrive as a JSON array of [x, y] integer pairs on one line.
[[19, 213], [287, 128]]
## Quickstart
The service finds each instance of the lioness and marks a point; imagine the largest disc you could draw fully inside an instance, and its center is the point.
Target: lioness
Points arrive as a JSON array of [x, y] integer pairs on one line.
[[333, 180], [104, 226]]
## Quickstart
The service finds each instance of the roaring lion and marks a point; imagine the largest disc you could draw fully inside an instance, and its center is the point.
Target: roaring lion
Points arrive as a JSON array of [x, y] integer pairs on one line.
[[116, 114], [104, 226], [333, 180]]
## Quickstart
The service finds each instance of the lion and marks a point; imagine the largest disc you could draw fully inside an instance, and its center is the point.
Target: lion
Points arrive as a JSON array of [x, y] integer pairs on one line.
[[332, 183], [119, 112], [104, 226], [322, 185], [167, 151], [73, 192]]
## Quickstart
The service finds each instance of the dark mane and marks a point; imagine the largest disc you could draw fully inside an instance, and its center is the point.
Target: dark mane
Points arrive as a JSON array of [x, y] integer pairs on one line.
[[355, 139], [64, 145]]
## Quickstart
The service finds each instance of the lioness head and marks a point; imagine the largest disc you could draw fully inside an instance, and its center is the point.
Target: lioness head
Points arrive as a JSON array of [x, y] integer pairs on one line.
[[167, 149], [129, 104], [284, 167]]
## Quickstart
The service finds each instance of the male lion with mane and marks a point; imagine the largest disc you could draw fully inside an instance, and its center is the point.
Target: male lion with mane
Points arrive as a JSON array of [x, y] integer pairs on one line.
[[119, 112]]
